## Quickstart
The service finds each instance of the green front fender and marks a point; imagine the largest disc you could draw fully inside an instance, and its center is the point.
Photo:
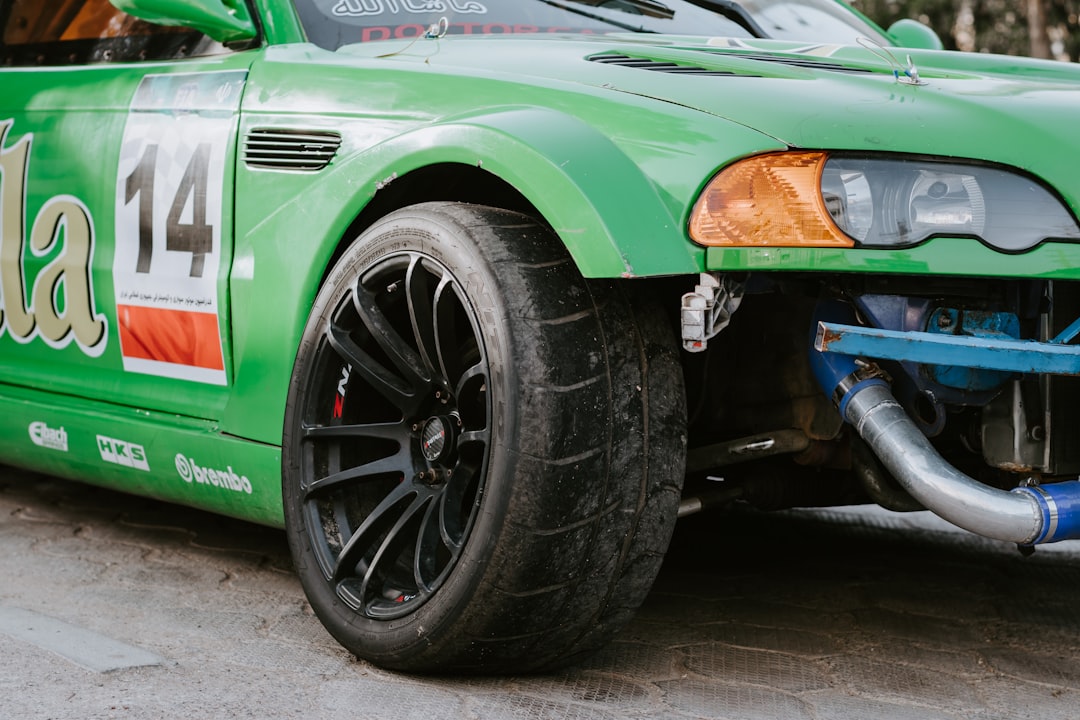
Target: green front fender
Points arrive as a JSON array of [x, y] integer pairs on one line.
[[602, 206], [611, 217]]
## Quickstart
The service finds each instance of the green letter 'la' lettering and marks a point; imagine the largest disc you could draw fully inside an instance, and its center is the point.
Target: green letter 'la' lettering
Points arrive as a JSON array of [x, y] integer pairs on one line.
[[65, 281], [12, 227], [69, 273]]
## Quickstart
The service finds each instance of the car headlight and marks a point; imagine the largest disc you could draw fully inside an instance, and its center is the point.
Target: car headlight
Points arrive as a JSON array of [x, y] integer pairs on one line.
[[817, 199]]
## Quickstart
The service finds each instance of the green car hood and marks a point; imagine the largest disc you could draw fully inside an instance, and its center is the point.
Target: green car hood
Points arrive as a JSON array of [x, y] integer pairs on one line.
[[1014, 111], [1009, 110]]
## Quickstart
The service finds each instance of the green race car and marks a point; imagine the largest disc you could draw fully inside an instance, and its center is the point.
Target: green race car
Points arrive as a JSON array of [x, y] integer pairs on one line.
[[476, 297]]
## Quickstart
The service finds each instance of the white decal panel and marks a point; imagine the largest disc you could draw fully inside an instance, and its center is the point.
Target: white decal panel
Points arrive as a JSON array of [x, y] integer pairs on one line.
[[169, 190]]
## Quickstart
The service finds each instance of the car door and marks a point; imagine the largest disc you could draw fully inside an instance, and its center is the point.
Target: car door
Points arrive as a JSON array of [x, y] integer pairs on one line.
[[117, 144]]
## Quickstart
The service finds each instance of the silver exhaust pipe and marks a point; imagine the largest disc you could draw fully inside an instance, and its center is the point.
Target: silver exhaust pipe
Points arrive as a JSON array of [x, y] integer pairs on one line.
[[1024, 515], [926, 476]]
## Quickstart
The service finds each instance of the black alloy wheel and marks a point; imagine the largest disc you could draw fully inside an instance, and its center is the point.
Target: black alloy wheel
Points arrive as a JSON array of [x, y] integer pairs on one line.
[[483, 452], [395, 436]]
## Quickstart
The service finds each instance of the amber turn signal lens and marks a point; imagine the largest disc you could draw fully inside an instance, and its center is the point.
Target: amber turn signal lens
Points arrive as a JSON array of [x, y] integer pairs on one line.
[[767, 200]]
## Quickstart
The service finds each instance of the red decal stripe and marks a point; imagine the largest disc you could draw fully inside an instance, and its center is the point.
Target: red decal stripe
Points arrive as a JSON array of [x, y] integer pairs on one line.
[[172, 336]]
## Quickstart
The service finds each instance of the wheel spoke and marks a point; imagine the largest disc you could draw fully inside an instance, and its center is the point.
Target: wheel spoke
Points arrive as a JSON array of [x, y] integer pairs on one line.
[[476, 371], [400, 393], [389, 552], [400, 463], [406, 361], [421, 314], [468, 437], [425, 560], [366, 535], [447, 343], [383, 431], [452, 508]]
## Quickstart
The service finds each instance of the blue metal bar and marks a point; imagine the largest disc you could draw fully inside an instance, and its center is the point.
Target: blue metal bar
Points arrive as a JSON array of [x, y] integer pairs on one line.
[[1023, 356], [1068, 333]]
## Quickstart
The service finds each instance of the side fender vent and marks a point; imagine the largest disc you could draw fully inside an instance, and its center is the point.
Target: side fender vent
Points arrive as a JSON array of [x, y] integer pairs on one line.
[[280, 149], [655, 65]]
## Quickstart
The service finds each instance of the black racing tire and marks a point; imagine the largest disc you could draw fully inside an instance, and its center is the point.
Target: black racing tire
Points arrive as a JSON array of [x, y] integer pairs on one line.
[[483, 452]]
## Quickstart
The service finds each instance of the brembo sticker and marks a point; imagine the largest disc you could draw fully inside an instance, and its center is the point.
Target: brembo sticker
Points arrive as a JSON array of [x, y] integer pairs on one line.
[[227, 479]]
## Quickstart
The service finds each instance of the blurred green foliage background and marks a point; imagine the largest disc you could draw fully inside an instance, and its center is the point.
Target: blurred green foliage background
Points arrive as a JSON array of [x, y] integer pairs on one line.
[[1039, 28]]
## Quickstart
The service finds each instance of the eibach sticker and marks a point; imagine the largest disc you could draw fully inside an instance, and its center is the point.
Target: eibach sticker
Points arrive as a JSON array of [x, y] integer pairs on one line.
[[169, 190]]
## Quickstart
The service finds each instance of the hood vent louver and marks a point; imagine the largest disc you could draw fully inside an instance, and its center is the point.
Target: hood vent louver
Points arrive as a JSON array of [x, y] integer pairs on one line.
[[802, 62], [655, 65], [280, 149], [665, 66]]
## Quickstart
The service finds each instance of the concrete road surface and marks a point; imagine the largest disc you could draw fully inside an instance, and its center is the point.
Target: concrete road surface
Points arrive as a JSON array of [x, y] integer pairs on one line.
[[117, 607]]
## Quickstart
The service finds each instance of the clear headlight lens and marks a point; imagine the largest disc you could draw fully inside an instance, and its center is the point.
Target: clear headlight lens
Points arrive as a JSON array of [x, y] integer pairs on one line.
[[874, 202]]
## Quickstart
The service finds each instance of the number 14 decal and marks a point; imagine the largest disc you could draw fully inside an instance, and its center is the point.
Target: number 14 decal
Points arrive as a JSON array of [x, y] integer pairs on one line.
[[171, 242], [195, 236]]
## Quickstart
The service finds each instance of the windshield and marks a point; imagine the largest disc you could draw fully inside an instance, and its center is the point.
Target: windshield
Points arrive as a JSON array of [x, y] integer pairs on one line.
[[333, 23]]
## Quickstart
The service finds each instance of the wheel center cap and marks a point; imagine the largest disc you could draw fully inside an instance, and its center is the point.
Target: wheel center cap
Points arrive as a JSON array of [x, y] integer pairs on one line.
[[434, 440]]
